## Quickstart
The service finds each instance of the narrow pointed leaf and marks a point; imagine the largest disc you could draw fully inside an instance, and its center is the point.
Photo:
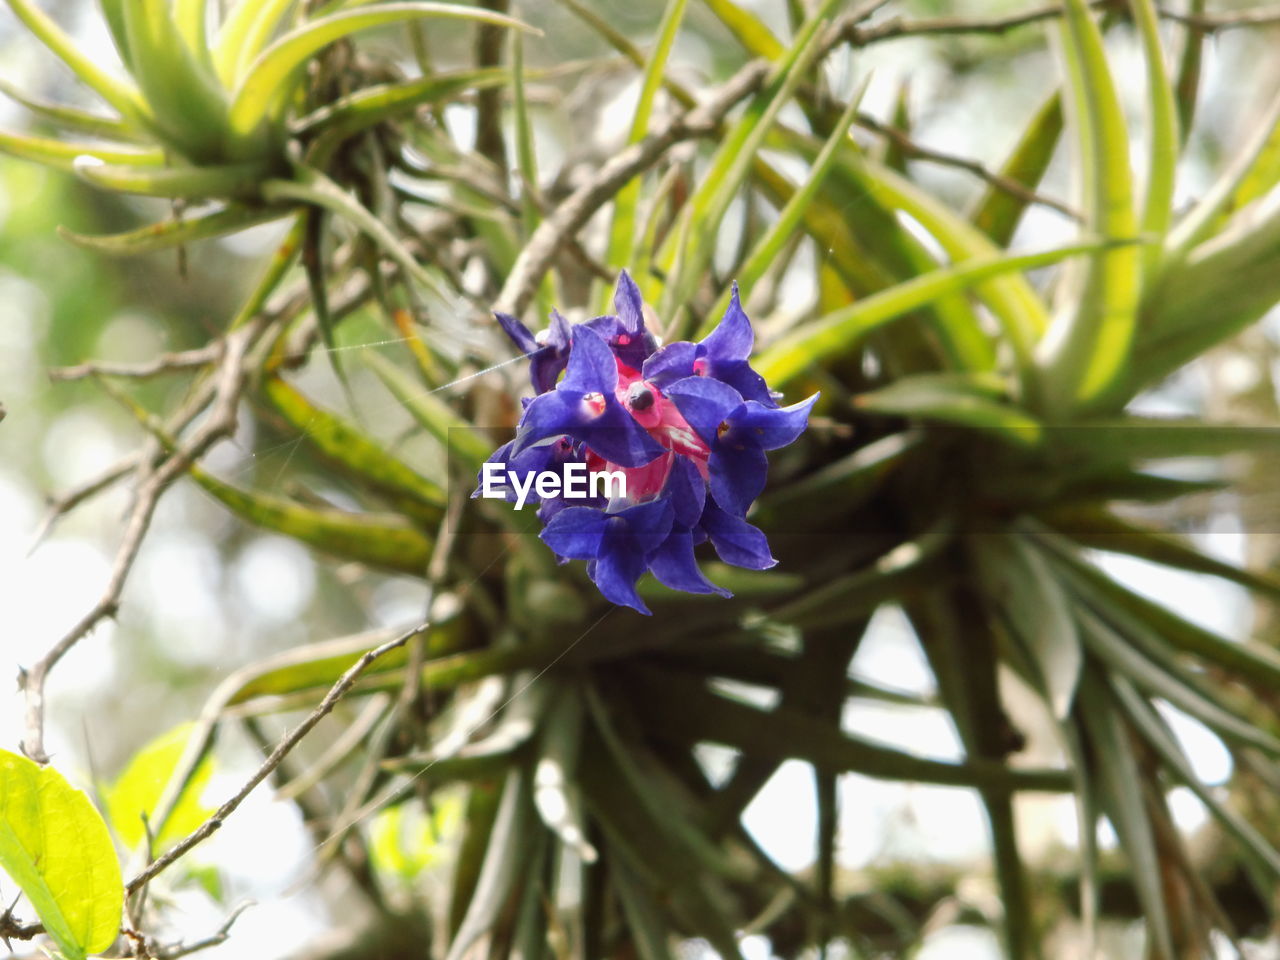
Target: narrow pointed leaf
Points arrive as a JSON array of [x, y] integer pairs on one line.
[[622, 233], [272, 76], [1084, 353], [999, 212], [63, 155], [115, 91], [1038, 613], [237, 180], [838, 332], [385, 542], [1121, 788], [176, 233], [430, 410], [73, 118], [344, 444], [957, 399], [1264, 856]]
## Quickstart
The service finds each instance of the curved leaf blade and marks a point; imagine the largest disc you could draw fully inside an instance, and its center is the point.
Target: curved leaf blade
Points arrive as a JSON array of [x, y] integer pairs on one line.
[[56, 847], [271, 77]]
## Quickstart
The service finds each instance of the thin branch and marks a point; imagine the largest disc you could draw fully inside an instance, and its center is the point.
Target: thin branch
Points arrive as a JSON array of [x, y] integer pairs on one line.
[[858, 36], [163, 363], [286, 744], [219, 424], [1010, 186], [577, 209], [64, 503], [1215, 22], [174, 951]]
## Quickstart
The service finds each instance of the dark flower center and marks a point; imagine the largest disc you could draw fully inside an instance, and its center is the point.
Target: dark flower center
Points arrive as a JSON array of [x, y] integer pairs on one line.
[[640, 397]]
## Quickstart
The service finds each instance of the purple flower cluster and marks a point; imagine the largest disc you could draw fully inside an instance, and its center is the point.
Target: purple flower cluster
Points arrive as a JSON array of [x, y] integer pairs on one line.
[[686, 424]]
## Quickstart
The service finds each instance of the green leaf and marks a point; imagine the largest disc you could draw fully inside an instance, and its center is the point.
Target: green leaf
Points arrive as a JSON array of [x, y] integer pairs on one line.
[[770, 244], [622, 233], [63, 155], [1104, 531], [688, 712], [960, 399], [733, 161], [1084, 354], [1225, 284], [313, 187], [271, 78], [555, 792], [216, 182], [748, 29], [1160, 679], [836, 333], [644, 921], [136, 793], [999, 212], [176, 233], [1038, 612], [345, 445], [1196, 225], [1246, 660], [1014, 302], [55, 846], [115, 91], [386, 542], [1189, 63], [848, 481], [434, 415], [1263, 856], [1162, 152], [72, 118], [189, 106], [1121, 785], [507, 851]]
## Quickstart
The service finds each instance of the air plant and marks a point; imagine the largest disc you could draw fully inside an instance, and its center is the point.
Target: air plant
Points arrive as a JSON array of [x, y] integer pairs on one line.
[[975, 445]]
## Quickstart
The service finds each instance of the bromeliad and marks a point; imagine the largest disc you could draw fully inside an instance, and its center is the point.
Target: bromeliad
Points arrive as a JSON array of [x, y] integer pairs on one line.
[[685, 425]]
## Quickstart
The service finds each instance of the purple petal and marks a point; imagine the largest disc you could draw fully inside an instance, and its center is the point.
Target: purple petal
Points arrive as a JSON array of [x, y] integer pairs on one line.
[[733, 338], [670, 363], [676, 567], [629, 537], [687, 491], [592, 368], [616, 436], [615, 574], [736, 541], [705, 404], [517, 332], [737, 477], [576, 532], [645, 526], [549, 415], [629, 305], [559, 332], [549, 361], [739, 375], [768, 428]]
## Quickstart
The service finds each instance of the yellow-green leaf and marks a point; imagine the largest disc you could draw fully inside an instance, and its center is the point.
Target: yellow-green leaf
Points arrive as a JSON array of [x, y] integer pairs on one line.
[[55, 846], [175, 233], [139, 788], [269, 80], [383, 541], [344, 444]]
